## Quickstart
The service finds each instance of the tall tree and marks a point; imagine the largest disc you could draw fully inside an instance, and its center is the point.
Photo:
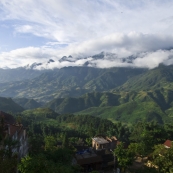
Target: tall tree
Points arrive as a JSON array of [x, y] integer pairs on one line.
[[124, 156]]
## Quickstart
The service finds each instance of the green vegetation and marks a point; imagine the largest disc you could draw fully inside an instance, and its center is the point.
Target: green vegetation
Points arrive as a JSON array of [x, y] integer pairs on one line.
[[163, 158], [53, 144], [157, 78], [37, 115], [130, 112]]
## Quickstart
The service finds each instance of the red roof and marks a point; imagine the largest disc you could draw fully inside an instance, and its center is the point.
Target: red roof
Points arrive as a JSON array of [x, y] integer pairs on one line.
[[168, 143]]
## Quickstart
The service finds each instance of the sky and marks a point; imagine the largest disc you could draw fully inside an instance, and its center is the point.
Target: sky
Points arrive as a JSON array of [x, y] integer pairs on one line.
[[36, 31]]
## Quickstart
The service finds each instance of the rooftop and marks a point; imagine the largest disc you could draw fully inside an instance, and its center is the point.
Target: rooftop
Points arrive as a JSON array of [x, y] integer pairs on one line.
[[168, 143], [100, 140]]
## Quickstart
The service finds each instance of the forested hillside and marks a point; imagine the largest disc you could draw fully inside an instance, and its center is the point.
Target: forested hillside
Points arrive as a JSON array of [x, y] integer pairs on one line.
[[157, 78]]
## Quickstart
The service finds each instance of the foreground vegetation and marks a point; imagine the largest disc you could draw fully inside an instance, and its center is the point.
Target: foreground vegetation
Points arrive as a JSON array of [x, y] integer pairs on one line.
[[52, 139]]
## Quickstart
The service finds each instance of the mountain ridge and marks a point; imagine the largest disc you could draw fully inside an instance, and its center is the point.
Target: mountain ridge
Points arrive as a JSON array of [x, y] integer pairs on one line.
[[121, 106], [69, 81]]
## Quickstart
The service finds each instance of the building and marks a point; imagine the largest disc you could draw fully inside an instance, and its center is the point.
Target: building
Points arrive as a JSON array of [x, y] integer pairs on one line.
[[101, 142], [16, 132], [99, 157]]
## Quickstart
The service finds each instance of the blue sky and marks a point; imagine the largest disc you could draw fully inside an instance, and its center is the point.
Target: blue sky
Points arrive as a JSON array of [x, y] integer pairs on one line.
[[34, 31]]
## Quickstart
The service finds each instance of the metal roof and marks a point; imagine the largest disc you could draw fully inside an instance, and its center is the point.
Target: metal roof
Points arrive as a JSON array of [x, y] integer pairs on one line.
[[100, 140]]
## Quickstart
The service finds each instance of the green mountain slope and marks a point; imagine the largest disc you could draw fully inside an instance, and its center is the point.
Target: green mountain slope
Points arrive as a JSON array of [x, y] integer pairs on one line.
[[130, 112], [121, 106], [160, 77], [8, 105], [69, 81], [39, 114], [27, 103]]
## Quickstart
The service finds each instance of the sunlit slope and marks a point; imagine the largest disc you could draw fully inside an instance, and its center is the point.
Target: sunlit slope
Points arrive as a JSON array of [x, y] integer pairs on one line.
[[123, 106]]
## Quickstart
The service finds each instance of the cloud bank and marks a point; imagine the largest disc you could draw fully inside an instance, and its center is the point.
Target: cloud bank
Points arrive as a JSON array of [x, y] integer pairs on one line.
[[149, 51]]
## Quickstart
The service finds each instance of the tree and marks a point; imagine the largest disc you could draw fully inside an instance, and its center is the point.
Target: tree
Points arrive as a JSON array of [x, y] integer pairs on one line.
[[125, 157], [50, 142], [36, 144], [65, 142], [88, 141], [146, 135], [36, 164], [50, 161], [163, 158]]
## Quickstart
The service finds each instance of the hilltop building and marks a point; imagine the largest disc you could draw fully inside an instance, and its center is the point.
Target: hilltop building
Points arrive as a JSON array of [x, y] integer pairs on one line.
[[101, 142], [99, 156]]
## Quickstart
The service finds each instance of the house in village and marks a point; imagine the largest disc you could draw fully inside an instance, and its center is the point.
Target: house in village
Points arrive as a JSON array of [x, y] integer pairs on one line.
[[101, 142], [16, 132], [99, 156]]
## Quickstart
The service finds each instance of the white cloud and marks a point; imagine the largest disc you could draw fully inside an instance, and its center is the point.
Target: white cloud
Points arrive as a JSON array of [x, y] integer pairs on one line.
[[123, 45], [24, 56], [28, 56], [153, 59]]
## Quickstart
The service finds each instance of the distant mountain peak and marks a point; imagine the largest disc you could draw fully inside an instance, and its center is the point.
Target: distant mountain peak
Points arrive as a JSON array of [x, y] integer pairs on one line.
[[32, 66], [65, 58], [104, 55], [50, 60]]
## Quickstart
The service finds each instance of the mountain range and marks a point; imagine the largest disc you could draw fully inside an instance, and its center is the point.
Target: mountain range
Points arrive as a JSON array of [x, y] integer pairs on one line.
[[67, 82], [119, 93]]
